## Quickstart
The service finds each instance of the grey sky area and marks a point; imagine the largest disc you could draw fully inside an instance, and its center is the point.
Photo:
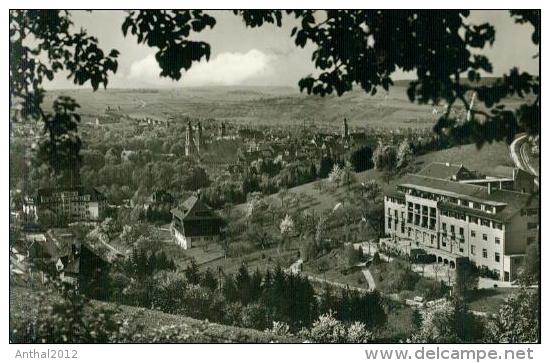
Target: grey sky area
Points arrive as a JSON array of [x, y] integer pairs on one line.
[[266, 56]]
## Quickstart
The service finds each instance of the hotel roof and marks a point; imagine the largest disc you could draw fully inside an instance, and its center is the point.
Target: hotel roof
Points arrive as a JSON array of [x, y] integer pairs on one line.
[[510, 202]]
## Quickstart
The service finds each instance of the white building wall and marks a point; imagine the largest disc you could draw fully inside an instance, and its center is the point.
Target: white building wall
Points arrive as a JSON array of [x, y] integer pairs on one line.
[[180, 239], [502, 242]]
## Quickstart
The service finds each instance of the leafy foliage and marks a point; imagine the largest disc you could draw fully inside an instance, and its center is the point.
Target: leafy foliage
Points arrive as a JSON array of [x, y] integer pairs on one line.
[[385, 158], [68, 320], [361, 159], [169, 30], [517, 320], [327, 329]]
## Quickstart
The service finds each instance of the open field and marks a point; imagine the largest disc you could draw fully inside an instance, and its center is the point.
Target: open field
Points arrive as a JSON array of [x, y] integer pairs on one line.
[[257, 105], [490, 300], [263, 260]]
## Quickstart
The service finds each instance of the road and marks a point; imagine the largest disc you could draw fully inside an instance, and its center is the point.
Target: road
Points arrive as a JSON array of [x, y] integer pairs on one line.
[[520, 155]]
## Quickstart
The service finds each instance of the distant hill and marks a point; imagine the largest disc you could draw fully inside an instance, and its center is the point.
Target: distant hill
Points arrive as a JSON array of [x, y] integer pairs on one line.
[[262, 105], [258, 105]]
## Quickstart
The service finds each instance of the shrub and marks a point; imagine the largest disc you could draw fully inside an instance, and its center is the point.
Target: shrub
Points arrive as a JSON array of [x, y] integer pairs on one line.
[[358, 333], [429, 289], [280, 329], [327, 329], [254, 316], [399, 276], [353, 256], [69, 320]]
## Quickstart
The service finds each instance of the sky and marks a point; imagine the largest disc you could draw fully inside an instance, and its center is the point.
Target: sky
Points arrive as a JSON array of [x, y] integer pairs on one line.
[[265, 56]]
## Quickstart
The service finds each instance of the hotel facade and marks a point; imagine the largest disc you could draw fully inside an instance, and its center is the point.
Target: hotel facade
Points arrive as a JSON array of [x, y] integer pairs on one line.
[[440, 212], [67, 205]]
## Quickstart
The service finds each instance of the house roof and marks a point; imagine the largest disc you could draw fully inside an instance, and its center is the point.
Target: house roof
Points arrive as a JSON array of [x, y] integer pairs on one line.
[[441, 170], [193, 209], [509, 171], [505, 171]]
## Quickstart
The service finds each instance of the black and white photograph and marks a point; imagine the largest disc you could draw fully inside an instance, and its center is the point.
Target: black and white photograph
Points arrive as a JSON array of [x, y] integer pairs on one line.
[[367, 177]]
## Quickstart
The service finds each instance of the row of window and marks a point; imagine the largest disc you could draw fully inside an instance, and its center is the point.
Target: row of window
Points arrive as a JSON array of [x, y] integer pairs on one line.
[[472, 233], [457, 201], [476, 220], [395, 200], [484, 254]]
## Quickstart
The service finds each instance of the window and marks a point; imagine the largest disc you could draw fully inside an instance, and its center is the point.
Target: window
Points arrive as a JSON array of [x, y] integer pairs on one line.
[[461, 231], [473, 250], [484, 236], [497, 257], [484, 252], [452, 229], [472, 233], [432, 239], [532, 225], [497, 240], [530, 240], [497, 225], [485, 222], [444, 226]]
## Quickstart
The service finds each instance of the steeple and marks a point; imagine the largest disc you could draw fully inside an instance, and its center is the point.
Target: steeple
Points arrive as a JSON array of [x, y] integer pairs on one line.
[[189, 142], [199, 142], [345, 129]]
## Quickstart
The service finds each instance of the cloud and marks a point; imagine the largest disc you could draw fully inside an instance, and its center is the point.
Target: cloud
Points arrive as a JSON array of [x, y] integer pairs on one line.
[[227, 69]]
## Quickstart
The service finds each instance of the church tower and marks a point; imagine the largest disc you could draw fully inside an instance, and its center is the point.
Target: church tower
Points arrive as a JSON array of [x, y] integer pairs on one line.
[[345, 130], [199, 141], [189, 141]]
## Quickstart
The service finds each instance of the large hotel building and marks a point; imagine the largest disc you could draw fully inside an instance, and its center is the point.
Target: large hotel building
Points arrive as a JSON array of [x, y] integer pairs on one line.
[[74, 204], [453, 213]]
